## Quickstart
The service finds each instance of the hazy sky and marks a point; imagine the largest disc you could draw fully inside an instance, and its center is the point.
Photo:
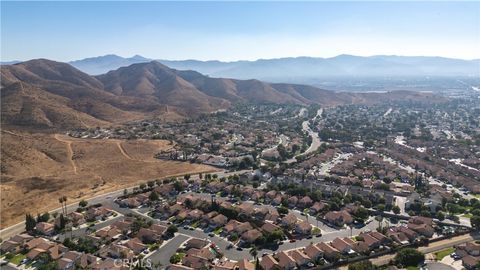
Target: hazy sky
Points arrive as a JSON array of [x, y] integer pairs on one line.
[[232, 30]]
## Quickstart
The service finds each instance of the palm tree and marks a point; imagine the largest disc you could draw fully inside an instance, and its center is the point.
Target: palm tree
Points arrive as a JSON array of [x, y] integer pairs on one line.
[[65, 202], [253, 251], [60, 200]]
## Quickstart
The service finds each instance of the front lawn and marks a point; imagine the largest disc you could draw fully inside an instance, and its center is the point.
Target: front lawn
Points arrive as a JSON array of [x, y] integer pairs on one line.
[[218, 231], [443, 253], [195, 224], [18, 258], [413, 268]]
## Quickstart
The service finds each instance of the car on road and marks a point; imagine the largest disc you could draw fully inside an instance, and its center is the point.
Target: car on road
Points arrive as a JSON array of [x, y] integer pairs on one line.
[[309, 237], [318, 235], [230, 246], [185, 227], [211, 234], [239, 248], [293, 240]]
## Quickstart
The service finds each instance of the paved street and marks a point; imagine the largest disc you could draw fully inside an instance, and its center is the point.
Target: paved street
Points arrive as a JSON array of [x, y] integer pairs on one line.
[[433, 247], [162, 256]]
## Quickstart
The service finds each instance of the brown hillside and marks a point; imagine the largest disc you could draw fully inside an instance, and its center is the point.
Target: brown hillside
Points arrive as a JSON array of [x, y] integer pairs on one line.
[[37, 168]]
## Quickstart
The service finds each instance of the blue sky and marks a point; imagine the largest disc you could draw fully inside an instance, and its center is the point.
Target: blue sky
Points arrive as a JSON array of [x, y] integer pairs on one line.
[[228, 31]]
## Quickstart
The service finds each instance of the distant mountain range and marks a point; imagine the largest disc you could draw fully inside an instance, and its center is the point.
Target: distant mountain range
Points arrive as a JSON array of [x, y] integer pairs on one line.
[[44, 94], [301, 69]]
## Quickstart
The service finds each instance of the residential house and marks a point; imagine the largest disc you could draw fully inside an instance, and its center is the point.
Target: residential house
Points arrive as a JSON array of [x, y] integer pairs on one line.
[[15, 243], [244, 264], [299, 257], [289, 220], [268, 262], [130, 202], [317, 207], [473, 248], [285, 261], [251, 236], [76, 218], [218, 221], [371, 241], [305, 202], [195, 243], [342, 246], [108, 233], [304, 228], [313, 252], [116, 251], [329, 252], [135, 245], [98, 213], [269, 227], [45, 228], [72, 256], [338, 218], [470, 262], [292, 201], [358, 246]]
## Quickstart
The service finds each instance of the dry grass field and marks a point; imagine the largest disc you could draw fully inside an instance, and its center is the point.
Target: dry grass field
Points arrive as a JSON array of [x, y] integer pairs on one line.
[[38, 168]]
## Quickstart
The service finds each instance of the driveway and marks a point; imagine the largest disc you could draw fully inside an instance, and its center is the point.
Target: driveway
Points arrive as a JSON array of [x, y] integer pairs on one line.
[[449, 261], [439, 266]]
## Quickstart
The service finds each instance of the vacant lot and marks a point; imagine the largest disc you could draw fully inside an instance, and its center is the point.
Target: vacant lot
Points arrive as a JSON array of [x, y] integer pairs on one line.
[[38, 168]]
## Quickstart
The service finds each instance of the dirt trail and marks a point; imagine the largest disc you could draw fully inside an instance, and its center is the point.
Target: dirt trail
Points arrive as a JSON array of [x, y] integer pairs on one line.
[[12, 133], [69, 150], [81, 121], [122, 150]]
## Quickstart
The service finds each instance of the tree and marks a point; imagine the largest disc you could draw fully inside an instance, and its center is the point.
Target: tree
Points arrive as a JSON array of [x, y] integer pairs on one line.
[[409, 257], [171, 230], [83, 203], [396, 209], [367, 203], [64, 199], [176, 258], [282, 210], [253, 251], [362, 213], [62, 222], [142, 186], [60, 200], [43, 218], [475, 221], [257, 265], [362, 265], [30, 223], [151, 184], [153, 196]]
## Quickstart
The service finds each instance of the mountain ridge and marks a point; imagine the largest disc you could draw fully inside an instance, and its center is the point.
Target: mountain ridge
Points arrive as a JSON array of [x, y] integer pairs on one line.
[[53, 95], [296, 68]]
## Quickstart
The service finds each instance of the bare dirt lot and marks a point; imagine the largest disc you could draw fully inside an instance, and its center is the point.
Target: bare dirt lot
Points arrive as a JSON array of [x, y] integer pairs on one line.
[[38, 168]]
